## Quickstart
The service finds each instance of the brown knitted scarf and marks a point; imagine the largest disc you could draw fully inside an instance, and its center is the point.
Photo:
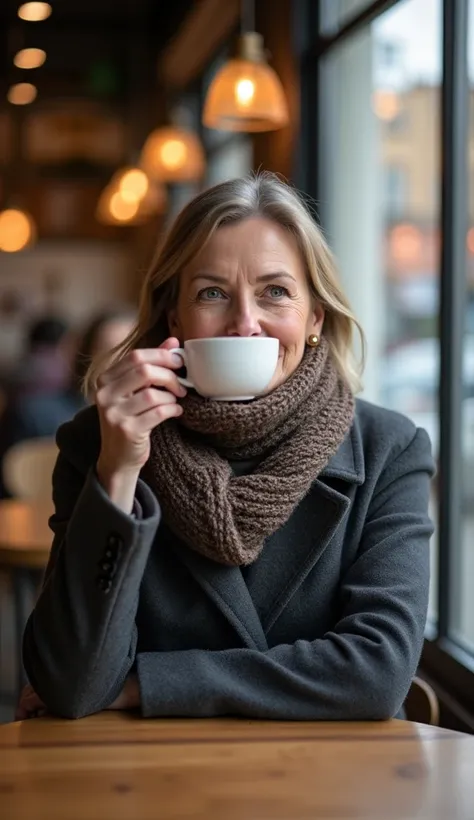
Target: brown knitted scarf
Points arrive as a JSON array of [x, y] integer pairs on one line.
[[292, 432]]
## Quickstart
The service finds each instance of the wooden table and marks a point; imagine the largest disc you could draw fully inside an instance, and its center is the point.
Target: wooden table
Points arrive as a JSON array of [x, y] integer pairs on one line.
[[115, 765], [25, 538], [25, 542]]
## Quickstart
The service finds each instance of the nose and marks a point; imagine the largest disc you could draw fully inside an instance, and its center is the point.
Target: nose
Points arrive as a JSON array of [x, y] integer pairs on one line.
[[244, 320]]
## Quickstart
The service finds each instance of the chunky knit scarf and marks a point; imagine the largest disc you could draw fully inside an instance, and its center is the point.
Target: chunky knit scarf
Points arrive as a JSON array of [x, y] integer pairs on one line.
[[292, 432]]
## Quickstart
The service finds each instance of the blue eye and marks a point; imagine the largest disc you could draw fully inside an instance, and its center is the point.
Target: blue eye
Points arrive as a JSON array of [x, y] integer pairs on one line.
[[211, 294], [277, 291]]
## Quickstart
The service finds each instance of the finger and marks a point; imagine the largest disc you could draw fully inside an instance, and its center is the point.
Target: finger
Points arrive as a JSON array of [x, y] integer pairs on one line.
[[27, 690], [170, 342], [152, 418], [155, 355], [31, 704], [145, 400], [25, 711], [142, 376]]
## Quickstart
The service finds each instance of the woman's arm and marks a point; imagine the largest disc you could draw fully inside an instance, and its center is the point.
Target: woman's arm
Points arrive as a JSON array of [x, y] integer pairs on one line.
[[80, 639], [363, 668]]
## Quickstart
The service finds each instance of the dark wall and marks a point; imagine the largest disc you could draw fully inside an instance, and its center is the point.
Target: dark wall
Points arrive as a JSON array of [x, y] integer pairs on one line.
[[275, 150]]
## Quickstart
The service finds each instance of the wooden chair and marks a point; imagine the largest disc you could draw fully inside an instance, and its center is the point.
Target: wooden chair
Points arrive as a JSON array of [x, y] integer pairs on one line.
[[28, 469], [421, 704]]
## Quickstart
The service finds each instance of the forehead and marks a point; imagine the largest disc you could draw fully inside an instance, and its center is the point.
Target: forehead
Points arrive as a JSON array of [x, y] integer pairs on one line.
[[255, 241]]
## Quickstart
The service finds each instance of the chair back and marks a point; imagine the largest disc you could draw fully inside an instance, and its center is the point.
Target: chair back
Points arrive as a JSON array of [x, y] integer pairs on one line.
[[28, 469], [421, 704]]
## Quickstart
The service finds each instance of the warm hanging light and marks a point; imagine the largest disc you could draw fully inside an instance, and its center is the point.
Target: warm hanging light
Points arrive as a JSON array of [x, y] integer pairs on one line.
[[173, 154], [17, 230], [121, 209], [117, 207], [246, 94], [34, 12], [22, 93], [132, 184], [29, 58]]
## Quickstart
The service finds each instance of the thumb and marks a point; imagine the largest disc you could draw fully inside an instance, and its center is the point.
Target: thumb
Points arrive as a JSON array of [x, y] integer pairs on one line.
[[169, 343]]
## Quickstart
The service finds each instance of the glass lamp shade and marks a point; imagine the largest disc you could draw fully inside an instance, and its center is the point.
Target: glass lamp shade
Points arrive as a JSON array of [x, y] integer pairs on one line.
[[29, 58], [172, 154], [22, 93], [34, 12], [246, 94], [17, 230], [116, 208], [132, 183]]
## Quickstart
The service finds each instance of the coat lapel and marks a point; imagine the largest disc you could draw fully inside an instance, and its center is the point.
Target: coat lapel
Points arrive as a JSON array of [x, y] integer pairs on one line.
[[228, 590], [252, 605], [292, 552]]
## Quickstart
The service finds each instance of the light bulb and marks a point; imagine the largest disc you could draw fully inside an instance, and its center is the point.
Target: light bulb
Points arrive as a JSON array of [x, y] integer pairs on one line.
[[244, 91], [34, 12], [133, 185], [15, 230], [29, 58], [173, 153], [22, 93], [120, 209]]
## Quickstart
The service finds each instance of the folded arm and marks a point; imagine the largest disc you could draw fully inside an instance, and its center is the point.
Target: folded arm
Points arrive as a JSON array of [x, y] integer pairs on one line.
[[80, 639]]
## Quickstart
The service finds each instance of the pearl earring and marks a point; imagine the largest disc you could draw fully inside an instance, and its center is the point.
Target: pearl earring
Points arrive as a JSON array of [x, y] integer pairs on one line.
[[313, 340]]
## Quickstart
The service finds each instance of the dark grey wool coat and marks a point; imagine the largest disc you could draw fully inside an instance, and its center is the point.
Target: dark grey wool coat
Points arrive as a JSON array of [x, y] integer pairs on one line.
[[327, 624]]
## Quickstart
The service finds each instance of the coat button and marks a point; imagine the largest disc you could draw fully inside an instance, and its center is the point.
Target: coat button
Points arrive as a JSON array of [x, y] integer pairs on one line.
[[113, 545], [104, 583]]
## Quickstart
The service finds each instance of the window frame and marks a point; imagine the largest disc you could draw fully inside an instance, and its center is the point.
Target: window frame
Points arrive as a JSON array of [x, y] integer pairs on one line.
[[443, 659]]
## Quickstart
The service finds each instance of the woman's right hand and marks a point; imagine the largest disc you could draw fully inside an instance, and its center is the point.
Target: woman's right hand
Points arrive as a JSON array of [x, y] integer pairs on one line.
[[134, 396]]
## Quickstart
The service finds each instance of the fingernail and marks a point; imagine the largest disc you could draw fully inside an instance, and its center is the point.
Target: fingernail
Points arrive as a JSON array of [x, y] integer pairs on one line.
[[182, 391], [177, 360]]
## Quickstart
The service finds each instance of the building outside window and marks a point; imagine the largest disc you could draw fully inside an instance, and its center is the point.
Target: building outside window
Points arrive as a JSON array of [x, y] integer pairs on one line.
[[383, 140]]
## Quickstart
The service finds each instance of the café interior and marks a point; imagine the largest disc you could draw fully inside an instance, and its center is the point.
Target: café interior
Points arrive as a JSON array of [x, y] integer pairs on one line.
[[114, 114]]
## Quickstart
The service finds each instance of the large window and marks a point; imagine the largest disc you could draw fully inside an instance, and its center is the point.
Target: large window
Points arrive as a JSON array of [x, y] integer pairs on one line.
[[463, 615], [379, 202], [394, 182], [335, 13]]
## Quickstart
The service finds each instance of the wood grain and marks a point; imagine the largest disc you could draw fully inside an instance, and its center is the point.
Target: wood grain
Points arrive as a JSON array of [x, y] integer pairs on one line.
[[122, 766], [25, 538]]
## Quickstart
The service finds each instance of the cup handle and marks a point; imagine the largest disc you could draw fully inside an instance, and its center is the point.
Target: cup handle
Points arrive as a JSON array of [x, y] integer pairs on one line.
[[181, 352]]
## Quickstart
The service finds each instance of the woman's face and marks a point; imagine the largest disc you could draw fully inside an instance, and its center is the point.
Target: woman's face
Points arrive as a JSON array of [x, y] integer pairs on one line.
[[249, 280]]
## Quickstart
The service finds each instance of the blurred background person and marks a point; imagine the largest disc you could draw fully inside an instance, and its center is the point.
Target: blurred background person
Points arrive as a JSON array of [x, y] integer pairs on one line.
[[36, 412], [44, 365], [107, 330]]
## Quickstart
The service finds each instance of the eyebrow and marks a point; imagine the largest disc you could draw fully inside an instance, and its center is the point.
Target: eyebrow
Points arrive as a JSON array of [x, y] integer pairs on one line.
[[265, 277]]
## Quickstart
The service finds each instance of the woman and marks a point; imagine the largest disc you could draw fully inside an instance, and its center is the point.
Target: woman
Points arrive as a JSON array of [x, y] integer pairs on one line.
[[267, 559]]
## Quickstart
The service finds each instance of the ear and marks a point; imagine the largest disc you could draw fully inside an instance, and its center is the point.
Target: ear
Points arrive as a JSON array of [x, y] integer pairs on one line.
[[173, 324], [316, 319]]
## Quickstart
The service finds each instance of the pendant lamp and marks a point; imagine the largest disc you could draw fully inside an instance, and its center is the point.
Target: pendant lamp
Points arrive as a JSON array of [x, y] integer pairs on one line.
[[17, 230], [130, 198], [173, 154], [246, 94]]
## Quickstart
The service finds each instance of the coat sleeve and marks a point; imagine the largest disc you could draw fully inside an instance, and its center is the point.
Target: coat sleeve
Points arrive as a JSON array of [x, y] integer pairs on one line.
[[362, 669], [80, 639]]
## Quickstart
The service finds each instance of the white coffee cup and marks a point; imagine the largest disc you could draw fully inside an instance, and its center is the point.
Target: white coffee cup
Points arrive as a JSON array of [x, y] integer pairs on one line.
[[229, 368]]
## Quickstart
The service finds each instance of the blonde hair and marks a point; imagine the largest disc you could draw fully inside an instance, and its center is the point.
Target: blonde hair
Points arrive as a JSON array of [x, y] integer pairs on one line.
[[261, 194]]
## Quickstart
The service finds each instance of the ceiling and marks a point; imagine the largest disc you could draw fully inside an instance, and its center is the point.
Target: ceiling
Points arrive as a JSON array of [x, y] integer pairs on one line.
[[105, 48]]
